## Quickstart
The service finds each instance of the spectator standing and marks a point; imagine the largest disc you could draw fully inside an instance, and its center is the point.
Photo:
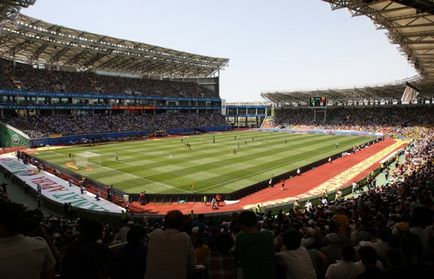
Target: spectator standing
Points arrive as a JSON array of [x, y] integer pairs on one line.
[[85, 258], [345, 269], [295, 259], [170, 251], [369, 256], [21, 257], [221, 262], [254, 249], [130, 261]]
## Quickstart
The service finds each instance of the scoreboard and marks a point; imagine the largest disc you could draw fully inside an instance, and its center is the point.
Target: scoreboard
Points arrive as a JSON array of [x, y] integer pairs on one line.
[[318, 102]]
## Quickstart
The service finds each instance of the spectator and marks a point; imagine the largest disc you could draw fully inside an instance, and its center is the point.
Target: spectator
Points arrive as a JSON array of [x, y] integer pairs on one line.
[[368, 256], [170, 251], [221, 262], [85, 258], [201, 250], [21, 257], [254, 249], [130, 262], [345, 269], [295, 259]]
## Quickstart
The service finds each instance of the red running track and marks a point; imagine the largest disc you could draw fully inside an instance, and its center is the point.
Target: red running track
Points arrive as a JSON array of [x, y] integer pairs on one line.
[[295, 186]]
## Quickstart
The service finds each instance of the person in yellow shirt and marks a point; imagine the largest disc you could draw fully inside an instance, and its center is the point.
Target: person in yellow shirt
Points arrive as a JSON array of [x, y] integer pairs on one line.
[[201, 250]]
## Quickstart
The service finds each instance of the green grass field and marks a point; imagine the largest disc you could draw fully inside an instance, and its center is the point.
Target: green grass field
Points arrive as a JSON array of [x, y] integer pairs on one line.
[[168, 166]]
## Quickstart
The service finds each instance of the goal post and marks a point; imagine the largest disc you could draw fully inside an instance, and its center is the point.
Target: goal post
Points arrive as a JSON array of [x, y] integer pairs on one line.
[[84, 159]]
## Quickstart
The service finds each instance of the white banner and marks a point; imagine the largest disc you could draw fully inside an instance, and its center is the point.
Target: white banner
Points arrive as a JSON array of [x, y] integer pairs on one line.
[[55, 188]]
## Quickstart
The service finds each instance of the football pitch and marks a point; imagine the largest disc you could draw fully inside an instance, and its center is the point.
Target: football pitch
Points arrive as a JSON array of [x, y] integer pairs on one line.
[[168, 166]]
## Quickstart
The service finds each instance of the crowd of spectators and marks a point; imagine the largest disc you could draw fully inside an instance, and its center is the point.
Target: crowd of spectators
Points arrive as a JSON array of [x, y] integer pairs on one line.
[[27, 77], [385, 232], [43, 126], [372, 119]]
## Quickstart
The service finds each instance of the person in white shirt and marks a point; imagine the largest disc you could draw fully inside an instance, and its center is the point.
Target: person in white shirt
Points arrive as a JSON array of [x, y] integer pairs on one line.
[[308, 205], [21, 257], [345, 269], [354, 187], [295, 259], [324, 201], [170, 251]]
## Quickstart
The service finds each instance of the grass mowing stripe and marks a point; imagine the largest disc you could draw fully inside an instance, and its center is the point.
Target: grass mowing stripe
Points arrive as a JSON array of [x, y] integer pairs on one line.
[[226, 163], [145, 163], [272, 165]]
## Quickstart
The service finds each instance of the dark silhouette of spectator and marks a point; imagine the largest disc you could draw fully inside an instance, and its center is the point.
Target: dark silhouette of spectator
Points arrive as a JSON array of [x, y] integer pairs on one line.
[[221, 262], [369, 256], [254, 249], [85, 258], [130, 261], [21, 257]]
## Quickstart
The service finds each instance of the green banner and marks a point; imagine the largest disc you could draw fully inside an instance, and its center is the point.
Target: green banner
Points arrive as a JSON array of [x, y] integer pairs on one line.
[[11, 137]]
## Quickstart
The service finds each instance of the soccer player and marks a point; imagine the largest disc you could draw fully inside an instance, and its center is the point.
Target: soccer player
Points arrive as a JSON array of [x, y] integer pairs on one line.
[[234, 151], [238, 145], [116, 157], [298, 171], [213, 139], [270, 182], [337, 145], [330, 159]]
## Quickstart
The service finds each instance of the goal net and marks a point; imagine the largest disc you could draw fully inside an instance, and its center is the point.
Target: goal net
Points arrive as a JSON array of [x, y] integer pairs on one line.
[[84, 159]]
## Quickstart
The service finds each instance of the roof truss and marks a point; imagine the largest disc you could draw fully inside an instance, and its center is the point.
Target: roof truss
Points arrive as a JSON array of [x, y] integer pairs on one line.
[[34, 41]]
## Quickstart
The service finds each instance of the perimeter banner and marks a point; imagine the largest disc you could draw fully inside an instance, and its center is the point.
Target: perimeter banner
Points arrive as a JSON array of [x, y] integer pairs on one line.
[[55, 188]]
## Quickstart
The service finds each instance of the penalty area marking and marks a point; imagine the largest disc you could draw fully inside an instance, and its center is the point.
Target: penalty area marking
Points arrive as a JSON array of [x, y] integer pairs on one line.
[[73, 166]]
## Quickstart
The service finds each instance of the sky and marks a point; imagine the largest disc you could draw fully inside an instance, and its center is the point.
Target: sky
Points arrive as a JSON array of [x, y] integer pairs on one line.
[[273, 45]]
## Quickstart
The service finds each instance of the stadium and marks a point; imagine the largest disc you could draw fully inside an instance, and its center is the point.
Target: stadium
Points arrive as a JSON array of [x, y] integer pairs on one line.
[[97, 130]]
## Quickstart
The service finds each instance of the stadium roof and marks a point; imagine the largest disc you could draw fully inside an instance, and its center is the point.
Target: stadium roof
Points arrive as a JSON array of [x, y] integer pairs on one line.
[[409, 23], [10, 9], [34, 41], [377, 92]]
